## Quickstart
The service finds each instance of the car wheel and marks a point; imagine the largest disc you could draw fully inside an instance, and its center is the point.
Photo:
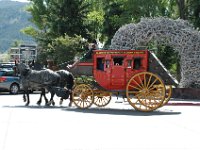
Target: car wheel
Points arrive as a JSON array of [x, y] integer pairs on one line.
[[14, 88]]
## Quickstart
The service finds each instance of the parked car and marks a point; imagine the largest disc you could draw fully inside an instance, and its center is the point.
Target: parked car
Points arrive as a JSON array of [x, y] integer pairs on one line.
[[7, 66], [9, 82]]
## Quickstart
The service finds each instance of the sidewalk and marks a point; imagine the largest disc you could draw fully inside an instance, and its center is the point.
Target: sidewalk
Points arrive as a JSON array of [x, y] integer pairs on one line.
[[183, 102]]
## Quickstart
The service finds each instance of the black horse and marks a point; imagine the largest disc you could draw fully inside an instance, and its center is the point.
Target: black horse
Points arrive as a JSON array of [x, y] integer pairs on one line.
[[34, 79], [66, 82], [63, 89]]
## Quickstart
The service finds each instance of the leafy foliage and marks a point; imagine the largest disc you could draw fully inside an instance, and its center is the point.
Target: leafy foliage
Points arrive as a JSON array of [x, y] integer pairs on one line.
[[113, 18], [54, 18], [64, 48], [58, 21]]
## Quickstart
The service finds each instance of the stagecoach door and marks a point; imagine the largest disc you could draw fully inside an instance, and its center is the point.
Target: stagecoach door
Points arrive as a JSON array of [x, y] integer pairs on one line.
[[118, 73]]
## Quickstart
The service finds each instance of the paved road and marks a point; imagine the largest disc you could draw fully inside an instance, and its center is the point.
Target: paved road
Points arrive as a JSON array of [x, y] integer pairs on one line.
[[116, 127]]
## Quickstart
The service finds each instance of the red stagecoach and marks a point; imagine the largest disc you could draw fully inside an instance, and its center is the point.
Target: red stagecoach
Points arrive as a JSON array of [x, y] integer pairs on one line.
[[136, 73]]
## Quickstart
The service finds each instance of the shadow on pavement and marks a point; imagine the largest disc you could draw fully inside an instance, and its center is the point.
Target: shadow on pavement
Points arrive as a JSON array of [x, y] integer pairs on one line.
[[36, 107], [127, 112], [109, 111]]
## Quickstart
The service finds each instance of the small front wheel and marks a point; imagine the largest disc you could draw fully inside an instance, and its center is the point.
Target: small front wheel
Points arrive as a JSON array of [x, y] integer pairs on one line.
[[102, 98], [168, 94], [83, 96]]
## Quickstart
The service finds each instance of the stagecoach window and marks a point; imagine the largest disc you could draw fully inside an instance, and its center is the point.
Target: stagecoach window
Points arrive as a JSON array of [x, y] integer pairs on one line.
[[107, 63], [100, 64], [118, 61], [137, 63]]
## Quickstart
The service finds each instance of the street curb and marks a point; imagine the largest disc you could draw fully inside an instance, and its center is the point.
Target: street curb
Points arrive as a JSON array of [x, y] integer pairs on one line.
[[186, 93]]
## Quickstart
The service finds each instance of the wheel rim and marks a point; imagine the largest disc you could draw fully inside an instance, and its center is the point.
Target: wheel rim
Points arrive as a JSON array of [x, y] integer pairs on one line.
[[14, 89], [102, 98], [83, 96], [168, 94], [145, 91]]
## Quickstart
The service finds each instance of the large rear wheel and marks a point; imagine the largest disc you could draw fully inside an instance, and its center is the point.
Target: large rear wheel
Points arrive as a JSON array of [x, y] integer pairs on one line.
[[145, 91], [83, 96]]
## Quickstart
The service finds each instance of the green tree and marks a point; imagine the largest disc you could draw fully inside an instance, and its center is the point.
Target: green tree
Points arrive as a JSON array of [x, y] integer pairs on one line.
[[95, 24], [113, 19], [54, 19], [194, 12], [67, 17], [59, 17], [152, 8], [182, 8], [63, 49]]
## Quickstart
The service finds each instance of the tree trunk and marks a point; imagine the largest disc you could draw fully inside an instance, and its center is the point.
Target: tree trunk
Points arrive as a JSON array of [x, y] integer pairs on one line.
[[182, 9]]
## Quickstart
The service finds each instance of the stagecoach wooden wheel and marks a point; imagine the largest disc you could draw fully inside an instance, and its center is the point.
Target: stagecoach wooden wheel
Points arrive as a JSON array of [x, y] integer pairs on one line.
[[145, 91], [83, 96], [168, 94], [101, 98]]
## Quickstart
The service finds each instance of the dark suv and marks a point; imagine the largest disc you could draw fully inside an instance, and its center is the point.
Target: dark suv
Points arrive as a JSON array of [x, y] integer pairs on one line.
[[8, 81]]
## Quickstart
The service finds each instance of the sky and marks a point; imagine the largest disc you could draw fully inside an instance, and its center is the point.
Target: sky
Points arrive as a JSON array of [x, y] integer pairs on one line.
[[21, 0]]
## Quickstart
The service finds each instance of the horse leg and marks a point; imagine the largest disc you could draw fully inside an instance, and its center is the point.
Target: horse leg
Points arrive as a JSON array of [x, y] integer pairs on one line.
[[28, 100], [61, 101], [45, 98], [71, 100], [51, 99], [24, 96], [40, 100]]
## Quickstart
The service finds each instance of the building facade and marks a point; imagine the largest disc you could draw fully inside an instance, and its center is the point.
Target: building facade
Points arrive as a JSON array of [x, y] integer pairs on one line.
[[23, 53]]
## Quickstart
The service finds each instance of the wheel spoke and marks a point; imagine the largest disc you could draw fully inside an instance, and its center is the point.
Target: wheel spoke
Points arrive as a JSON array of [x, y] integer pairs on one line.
[[133, 92], [145, 82], [141, 82], [153, 83], [137, 83], [134, 87], [149, 80]]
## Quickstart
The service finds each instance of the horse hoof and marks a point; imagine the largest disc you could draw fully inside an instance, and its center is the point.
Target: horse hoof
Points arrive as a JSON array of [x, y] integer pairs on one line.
[[48, 104], [38, 103], [61, 102], [70, 104]]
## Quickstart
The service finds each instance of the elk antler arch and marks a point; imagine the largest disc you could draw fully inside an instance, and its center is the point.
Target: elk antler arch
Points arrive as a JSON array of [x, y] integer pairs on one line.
[[178, 34]]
